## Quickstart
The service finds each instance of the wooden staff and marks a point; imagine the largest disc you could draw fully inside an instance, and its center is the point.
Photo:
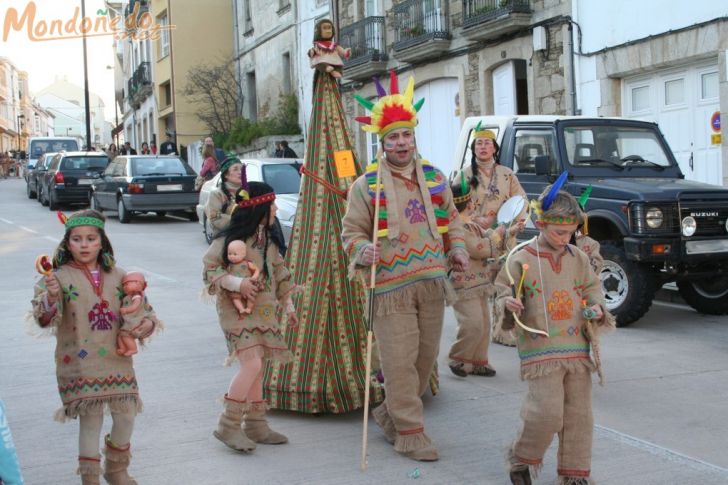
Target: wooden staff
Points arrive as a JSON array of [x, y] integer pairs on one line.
[[370, 313]]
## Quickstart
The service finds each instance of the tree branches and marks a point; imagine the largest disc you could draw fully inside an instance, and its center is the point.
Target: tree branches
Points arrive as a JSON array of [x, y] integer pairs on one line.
[[215, 90]]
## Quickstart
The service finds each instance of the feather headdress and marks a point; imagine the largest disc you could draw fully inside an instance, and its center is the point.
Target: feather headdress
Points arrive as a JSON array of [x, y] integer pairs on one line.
[[391, 111]]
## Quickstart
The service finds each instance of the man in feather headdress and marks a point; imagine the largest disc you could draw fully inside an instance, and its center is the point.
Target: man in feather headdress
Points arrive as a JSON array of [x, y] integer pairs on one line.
[[419, 231]]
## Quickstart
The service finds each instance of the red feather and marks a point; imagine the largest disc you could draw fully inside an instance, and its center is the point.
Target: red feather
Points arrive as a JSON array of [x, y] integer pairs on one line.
[[364, 119], [392, 114], [393, 83], [62, 217]]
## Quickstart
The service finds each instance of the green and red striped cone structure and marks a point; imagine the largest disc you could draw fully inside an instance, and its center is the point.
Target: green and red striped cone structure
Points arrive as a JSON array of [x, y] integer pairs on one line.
[[327, 374]]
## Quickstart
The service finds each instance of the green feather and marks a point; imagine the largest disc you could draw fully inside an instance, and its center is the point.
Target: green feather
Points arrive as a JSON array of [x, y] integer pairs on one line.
[[364, 102], [419, 104], [585, 196], [463, 184]]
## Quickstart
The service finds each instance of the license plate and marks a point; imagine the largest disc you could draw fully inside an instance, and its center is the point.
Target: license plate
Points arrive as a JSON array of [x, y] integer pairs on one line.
[[169, 188], [85, 181], [706, 247]]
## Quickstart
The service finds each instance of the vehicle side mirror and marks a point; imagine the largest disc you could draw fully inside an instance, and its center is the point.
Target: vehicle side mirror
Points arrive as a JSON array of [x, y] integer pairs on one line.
[[543, 164]]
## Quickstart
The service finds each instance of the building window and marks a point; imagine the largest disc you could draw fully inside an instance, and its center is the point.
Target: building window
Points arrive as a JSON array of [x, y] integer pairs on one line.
[[247, 23], [641, 98], [252, 96], [372, 147], [286, 67], [709, 85], [164, 38], [165, 94], [674, 92]]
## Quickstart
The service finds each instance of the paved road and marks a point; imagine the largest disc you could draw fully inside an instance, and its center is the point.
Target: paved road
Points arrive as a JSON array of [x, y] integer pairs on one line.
[[660, 419]]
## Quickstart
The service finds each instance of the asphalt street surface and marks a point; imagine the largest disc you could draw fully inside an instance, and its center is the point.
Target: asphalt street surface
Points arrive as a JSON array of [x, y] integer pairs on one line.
[[660, 419]]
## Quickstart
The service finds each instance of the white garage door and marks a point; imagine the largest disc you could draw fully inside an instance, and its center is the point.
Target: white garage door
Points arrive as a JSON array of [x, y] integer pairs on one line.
[[683, 102], [438, 123]]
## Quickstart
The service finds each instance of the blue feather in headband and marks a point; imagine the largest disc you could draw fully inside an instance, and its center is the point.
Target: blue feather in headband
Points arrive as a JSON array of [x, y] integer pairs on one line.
[[551, 196]]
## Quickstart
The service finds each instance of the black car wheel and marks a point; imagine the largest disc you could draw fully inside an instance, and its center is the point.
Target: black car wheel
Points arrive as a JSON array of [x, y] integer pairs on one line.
[[93, 203], [706, 296], [52, 202], [124, 215], [628, 287], [207, 229], [31, 193], [42, 197]]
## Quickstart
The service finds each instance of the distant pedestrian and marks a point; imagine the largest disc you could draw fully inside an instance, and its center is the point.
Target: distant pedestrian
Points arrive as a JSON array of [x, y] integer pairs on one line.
[[279, 150], [287, 151], [145, 149], [111, 151], [78, 301], [128, 150], [153, 148], [210, 165], [168, 147]]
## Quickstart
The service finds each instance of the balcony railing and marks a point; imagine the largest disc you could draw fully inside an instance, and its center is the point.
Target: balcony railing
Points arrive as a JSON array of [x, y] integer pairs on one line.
[[139, 85], [143, 7], [479, 11], [365, 38], [417, 21]]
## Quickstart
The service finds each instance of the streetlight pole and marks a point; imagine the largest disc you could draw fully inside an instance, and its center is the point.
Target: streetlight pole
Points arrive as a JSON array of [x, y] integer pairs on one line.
[[85, 82], [20, 117], [116, 115]]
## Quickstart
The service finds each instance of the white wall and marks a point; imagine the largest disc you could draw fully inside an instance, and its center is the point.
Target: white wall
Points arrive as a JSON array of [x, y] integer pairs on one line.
[[609, 23]]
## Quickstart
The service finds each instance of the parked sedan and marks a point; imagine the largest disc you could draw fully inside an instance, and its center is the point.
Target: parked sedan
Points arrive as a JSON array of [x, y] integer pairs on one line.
[[69, 177], [148, 183], [280, 173], [32, 186]]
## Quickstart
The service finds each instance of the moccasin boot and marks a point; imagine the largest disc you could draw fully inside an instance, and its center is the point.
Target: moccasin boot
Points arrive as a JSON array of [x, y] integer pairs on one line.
[[520, 476], [228, 427], [384, 421], [574, 481], [117, 463], [256, 426], [458, 368], [89, 468], [483, 370], [416, 446]]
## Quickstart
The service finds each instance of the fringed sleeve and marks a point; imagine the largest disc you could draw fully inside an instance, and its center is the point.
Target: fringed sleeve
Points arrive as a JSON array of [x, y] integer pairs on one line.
[[218, 215], [482, 245], [213, 269], [285, 286], [357, 224], [46, 317], [455, 228], [593, 295], [503, 290]]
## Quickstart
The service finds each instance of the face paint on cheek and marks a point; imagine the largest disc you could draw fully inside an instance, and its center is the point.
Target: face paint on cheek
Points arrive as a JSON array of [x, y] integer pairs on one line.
[[389, 145]]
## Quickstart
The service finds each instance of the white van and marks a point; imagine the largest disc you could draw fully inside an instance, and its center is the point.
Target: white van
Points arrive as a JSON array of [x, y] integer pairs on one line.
[[39, 145]]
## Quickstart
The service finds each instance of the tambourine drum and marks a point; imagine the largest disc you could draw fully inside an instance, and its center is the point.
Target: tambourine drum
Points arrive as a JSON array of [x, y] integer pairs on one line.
[[511, 209]]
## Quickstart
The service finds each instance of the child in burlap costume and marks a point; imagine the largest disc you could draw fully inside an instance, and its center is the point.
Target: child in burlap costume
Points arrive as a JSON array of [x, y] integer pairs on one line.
[[469, 352], [138, 318], [492, 185], [418, 232], [559, 286], [251, 338], [79, 302]]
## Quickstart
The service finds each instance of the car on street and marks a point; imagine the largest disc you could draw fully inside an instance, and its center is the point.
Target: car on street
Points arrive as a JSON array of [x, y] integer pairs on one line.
[[283, 174], [69, 176], [39, 145], [134, 184], [32, 175]]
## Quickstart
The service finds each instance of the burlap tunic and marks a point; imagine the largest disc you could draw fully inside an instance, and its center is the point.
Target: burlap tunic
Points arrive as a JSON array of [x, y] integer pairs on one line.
[[90, 374], [259, 334], [219, 206], [491, 193]]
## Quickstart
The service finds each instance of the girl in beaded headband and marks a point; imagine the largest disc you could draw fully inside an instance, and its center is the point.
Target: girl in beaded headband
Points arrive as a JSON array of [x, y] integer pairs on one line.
[[89, 217]]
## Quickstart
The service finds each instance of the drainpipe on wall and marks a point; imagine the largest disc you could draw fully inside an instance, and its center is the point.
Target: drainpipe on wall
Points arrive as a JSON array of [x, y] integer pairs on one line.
[[572, 74], [238, 77]]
